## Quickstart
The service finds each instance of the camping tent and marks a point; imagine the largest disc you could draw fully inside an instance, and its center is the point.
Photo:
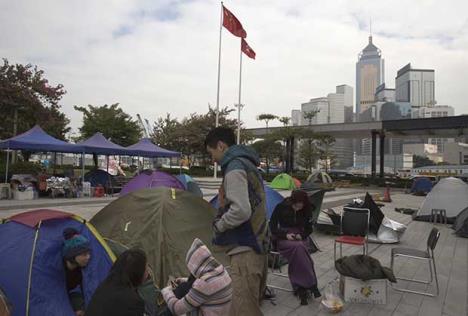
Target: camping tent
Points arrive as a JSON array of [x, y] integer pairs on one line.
[[450, 194], [421, 186], [461, 224], [151, 179], [297, 182], [184, 178], [99, 177], [320, 177], [190, 184], [273, 198], [163, 222], [146, 148], [283, 181], [32, 271]]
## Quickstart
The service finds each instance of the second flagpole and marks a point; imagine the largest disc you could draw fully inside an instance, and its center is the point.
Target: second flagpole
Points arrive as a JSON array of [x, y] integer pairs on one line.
[[239, 103], [215, 173]]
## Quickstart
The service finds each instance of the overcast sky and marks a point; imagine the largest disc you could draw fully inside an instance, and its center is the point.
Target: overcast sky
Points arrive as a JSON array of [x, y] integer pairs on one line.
[[160, 56]]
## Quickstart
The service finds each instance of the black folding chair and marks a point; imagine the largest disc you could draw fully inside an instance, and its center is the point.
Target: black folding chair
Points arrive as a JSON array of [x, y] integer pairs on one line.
[[428, 255], [354, 229]]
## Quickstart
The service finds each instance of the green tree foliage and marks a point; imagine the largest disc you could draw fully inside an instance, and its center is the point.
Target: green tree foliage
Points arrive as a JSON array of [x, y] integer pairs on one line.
[[25, 90], [188, 135], [266, 117], [268, 149], [421, 161], [111, 121]]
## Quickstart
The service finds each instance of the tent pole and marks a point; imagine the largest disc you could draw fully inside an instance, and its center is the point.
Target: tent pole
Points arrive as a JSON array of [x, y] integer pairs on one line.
[[180, 164], [83, 157], [7, 162], [55, 162], [107, 164], [31, 267]]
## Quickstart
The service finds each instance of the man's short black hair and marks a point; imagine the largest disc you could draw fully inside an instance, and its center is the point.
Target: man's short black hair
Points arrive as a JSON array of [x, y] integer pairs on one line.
[[223, 134]]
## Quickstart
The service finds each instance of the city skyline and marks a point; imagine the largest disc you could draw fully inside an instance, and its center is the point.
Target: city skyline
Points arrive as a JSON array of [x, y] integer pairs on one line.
[[154, 56]]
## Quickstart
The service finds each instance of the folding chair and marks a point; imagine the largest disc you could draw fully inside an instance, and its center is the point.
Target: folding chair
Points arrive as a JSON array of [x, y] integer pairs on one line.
[[427, 254], [354, 229], [276, 260]]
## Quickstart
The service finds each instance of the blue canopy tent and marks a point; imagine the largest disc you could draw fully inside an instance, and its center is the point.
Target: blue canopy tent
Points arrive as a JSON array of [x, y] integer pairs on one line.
[[37, 140], [99, 145], [146, 148]]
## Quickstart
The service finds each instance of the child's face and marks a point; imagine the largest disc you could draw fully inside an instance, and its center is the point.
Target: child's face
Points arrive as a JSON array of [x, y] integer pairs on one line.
[[83, 259]]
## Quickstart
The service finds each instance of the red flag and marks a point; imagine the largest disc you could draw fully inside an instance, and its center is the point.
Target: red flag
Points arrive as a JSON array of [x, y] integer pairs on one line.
[[232, 24], [246, 49]]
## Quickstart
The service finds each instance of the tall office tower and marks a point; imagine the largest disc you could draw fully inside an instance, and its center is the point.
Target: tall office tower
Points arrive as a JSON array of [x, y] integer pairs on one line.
[[369, 75]]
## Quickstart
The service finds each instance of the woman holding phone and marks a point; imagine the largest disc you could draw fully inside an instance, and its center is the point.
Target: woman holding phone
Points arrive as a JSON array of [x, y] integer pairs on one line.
[[290, 225]]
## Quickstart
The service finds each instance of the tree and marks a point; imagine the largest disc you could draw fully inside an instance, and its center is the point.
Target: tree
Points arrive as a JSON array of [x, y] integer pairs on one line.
[[309, 116], [326, 154], [111, 121], [27, 95], [188, 135], [421, 161], [165, 133], [267, 118], [268, 148], [309, 152]]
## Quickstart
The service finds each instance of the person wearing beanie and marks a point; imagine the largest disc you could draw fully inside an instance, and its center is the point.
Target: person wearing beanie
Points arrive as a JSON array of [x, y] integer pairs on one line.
[[290, 225], [76, 253]]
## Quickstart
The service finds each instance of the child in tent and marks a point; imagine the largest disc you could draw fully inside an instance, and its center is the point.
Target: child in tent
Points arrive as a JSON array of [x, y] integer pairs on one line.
[[117, 295], [76, 255], [206, 292]]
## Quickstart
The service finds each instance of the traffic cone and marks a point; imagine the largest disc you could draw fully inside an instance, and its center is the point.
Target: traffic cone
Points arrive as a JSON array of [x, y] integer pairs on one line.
[[387, 197]]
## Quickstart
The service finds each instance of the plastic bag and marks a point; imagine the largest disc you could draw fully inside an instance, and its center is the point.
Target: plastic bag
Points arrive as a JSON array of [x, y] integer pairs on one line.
[[332, 301]]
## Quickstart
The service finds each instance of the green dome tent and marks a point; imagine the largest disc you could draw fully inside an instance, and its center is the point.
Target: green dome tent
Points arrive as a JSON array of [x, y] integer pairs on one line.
[[163, 222], [283, 181]]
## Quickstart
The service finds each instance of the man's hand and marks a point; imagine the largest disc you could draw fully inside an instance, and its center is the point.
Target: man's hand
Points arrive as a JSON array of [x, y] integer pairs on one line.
[[215, 226], [298, 237], [79, 313], [290, 237]]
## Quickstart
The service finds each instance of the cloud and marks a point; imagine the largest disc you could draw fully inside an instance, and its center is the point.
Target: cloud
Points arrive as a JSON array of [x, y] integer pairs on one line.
[[155, 57]]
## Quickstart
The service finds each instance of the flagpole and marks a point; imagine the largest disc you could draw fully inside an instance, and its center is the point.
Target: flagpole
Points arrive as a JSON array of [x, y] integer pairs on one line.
[[239, 104], [215, 174]]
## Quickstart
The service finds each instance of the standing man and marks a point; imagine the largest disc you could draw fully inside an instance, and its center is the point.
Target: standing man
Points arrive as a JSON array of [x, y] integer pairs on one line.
[[241, 224]]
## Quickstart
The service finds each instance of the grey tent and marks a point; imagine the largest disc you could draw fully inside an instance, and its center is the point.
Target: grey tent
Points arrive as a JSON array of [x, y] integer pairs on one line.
[[461, 224], [450, 194], [163, 222]]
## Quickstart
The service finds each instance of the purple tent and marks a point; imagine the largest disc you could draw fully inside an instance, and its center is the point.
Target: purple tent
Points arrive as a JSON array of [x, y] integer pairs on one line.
[[98, 144], [146, 148], [151, 180]]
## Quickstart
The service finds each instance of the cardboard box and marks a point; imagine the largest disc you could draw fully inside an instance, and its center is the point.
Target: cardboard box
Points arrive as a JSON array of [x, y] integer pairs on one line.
[[367, 292]]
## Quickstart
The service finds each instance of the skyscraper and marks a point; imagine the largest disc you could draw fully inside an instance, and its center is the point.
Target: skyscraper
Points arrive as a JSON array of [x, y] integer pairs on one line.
[[369, 75]]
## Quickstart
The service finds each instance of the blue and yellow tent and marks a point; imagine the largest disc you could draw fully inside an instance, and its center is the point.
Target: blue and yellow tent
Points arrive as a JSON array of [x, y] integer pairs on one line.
[[32, 273]]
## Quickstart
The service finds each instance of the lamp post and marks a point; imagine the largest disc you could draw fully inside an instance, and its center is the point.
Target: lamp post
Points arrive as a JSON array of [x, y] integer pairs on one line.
[[239, 108]]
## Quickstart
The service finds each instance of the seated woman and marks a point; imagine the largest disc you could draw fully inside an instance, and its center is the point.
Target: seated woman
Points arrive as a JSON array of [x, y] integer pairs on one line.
[[290, 225], [117, 295], [206, 292], [76, 255]]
